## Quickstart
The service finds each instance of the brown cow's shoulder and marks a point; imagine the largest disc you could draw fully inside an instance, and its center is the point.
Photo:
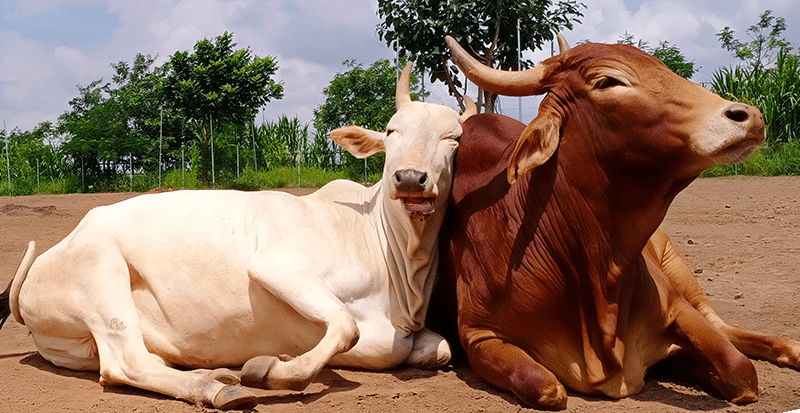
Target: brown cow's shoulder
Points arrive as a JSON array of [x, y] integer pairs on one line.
[[490, 138]]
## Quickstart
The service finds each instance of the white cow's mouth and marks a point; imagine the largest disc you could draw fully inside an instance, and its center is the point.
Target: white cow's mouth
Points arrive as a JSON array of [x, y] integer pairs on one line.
[[418, 206]]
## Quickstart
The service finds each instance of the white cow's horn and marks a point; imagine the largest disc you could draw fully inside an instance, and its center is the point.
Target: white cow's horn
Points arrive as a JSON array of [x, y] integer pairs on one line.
[[403, 93]]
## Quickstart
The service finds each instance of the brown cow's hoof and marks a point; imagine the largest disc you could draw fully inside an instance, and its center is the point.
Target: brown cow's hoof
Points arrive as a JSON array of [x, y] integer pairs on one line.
[[224, 375], [550, 397], [746, 398], [231, 397]]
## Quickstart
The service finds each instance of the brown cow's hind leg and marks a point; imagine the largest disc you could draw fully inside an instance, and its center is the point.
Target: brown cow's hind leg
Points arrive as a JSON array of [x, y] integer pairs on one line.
[[779, 350]]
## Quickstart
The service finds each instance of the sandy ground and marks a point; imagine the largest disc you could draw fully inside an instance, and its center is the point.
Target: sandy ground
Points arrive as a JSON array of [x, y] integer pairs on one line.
[[739, 235]]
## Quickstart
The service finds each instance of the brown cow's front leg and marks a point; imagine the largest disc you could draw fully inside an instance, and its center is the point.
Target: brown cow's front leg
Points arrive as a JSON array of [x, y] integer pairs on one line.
[[508, 367], [721, 364]]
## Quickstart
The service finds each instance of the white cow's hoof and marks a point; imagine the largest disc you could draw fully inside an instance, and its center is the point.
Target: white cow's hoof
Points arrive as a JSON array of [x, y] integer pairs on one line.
[[224, 375], [231, 397], [255, 371], [269, 372]]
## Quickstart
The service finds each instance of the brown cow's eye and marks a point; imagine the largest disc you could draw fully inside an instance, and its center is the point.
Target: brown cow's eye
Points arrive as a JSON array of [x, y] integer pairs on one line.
[[608, 82]]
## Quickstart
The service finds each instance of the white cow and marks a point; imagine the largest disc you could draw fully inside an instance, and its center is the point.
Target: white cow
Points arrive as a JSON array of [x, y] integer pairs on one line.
[[281, 284]]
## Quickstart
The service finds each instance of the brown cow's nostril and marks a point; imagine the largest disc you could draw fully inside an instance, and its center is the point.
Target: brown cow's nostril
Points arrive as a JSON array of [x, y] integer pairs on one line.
[[737, 113], [423, 179]]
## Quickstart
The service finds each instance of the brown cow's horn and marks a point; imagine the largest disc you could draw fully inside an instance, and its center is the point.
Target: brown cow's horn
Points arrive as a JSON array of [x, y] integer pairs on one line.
[[563, 46], [403, 93], [469, 108], [513, 83]]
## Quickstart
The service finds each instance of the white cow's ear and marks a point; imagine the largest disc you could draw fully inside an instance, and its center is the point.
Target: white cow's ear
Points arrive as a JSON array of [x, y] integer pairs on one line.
[[537, 143], [359, 141]]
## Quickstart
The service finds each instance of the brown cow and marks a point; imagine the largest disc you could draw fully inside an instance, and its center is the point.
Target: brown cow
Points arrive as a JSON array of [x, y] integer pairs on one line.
[[561, 274]]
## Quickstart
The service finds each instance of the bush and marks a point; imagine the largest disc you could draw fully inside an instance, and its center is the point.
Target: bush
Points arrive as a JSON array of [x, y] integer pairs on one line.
[[177, 179], [66, 185]]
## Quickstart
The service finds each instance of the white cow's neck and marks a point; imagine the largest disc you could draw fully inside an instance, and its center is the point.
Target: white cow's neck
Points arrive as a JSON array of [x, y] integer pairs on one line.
[[411, 254]]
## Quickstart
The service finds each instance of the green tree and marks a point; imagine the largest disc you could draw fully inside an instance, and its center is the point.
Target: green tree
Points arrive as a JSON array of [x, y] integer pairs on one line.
[[364, 97], [139, 95], [765, 44], [97, 129], [114, 126], [489, 29], [218, 84], [668, 53]]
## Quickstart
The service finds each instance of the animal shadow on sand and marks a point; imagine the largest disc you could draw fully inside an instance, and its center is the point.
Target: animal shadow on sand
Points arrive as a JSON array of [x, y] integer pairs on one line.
[[412, 373], [658, 389], [674, 371], [331, 381], [34, 359]]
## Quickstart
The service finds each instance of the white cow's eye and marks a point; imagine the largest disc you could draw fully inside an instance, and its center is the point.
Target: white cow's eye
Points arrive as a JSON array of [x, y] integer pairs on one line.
[[389, 132]]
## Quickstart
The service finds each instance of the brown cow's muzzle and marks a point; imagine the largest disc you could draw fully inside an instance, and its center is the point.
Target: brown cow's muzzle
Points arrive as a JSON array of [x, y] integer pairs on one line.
[[735, 133]]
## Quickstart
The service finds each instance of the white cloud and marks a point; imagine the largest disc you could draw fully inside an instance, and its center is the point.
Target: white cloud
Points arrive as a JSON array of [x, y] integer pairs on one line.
[[303, 84], [72, 61], [310, 39]]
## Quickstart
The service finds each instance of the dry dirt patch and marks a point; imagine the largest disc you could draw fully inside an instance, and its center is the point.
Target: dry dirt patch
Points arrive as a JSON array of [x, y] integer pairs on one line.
[[741, 236]]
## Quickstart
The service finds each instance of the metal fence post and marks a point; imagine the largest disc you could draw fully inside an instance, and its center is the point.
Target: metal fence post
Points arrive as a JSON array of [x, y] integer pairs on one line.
[[8, 158], [213, 173], [160, 137]]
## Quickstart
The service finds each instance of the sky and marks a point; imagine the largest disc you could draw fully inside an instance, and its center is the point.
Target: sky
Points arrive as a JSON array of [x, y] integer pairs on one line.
[[48, 47]]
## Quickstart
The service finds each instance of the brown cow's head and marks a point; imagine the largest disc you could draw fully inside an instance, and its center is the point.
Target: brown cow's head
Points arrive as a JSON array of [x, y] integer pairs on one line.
[[635, 109], [420, 142]]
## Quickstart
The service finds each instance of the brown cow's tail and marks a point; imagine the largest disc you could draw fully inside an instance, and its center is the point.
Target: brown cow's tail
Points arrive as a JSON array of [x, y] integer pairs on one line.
[[9, 299]]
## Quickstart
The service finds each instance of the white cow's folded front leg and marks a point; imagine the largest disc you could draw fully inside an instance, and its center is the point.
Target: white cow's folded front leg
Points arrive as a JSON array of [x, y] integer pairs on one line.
[[307, 295], [431, 351]]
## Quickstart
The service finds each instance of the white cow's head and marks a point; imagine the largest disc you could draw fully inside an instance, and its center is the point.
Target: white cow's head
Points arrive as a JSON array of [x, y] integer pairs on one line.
[[420, 142]]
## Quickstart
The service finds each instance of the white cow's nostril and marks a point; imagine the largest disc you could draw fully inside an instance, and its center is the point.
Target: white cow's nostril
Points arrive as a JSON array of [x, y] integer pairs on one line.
[[410, 180]]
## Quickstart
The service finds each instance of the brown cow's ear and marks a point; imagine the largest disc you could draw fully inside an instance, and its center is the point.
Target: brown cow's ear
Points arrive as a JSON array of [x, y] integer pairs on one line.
[[536, 145], [359, 141]]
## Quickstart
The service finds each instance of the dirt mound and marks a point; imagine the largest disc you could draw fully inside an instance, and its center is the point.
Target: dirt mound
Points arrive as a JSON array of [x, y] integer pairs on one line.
[[16, 210]]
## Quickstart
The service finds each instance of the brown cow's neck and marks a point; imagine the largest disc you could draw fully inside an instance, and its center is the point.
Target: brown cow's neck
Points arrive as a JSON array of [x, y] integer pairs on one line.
[[603, 221]]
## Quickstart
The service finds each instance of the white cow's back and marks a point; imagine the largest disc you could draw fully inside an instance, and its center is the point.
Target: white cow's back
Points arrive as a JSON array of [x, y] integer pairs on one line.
[[196, 302]]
